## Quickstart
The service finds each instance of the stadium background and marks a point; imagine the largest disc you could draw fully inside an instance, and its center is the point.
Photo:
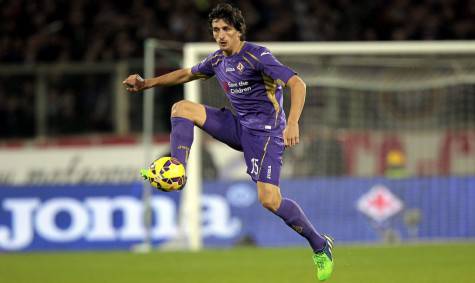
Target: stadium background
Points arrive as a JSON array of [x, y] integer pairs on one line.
[[392, 169]]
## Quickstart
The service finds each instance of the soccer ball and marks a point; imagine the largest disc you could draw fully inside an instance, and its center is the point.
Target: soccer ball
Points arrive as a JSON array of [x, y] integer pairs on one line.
[[167, 174]]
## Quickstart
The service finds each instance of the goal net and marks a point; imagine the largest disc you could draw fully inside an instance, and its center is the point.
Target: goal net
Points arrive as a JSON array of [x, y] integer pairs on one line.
[[404, 109]]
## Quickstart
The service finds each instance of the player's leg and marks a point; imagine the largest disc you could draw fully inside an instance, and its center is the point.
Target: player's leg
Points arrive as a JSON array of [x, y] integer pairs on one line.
[[184, 115], [224, 126], [219, 123], [264, 160], [293, 215], [291, 212], [263, 156]]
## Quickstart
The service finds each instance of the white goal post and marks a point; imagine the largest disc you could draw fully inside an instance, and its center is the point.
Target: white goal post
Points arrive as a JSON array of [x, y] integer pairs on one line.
[[190, 212]]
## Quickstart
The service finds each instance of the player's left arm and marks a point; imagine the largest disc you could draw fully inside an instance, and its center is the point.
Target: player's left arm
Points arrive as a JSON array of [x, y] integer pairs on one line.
[[298, 91], [269, 65]]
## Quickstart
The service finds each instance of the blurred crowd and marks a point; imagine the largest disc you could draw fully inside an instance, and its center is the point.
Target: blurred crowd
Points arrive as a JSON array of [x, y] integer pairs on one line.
[[52, 31], [55, 30]]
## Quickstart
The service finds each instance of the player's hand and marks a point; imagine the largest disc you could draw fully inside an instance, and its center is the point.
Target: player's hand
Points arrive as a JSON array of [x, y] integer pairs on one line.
[[291, 134], [134, 83]]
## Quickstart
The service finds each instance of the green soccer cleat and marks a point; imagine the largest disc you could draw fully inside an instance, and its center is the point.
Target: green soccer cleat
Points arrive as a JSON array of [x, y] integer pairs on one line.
[[144, 173], [324, 260]]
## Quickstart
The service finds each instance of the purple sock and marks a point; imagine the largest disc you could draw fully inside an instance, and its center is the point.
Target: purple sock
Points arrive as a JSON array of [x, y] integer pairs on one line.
[[295, 218], [181, 138]]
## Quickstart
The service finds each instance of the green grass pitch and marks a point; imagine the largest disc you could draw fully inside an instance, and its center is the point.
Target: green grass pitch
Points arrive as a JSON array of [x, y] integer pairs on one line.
[[429, 263]]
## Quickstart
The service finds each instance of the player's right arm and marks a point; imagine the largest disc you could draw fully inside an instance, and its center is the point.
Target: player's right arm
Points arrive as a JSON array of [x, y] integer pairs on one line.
[[135, 83]]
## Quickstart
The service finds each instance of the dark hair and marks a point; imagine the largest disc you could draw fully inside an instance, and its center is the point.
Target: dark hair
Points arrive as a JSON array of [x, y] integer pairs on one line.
[[229, 14]]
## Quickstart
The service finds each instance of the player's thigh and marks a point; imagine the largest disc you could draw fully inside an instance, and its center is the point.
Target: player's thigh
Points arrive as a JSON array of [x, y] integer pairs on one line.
[[263, 156], [222, 125], [190, 110]]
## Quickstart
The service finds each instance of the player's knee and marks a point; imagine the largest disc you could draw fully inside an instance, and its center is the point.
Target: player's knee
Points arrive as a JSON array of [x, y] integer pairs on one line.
[[269, 196], [269, 202], [182, 108]]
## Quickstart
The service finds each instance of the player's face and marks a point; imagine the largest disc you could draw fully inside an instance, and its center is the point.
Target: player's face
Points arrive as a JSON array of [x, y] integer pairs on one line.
[[227, 37]]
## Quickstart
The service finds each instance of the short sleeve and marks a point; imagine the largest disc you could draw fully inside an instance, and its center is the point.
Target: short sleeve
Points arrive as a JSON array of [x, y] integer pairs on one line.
[[204, 69], [273, 67]]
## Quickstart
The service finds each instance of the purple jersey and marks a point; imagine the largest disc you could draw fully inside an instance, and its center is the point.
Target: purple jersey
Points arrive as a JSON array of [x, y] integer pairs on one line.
[[253, 81]]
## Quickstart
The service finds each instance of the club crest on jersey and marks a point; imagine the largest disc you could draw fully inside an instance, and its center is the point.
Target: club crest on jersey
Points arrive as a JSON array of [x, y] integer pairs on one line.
[[240, 67]]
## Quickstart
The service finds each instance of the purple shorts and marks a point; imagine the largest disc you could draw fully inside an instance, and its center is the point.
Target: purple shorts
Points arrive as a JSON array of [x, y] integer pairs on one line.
[[262, 153]]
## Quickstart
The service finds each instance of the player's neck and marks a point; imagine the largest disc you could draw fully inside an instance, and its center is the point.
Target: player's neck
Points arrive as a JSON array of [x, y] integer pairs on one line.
[[236, 49]]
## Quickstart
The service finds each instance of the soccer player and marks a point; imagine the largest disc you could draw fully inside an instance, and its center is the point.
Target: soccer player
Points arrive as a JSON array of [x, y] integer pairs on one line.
[[253, 80]]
